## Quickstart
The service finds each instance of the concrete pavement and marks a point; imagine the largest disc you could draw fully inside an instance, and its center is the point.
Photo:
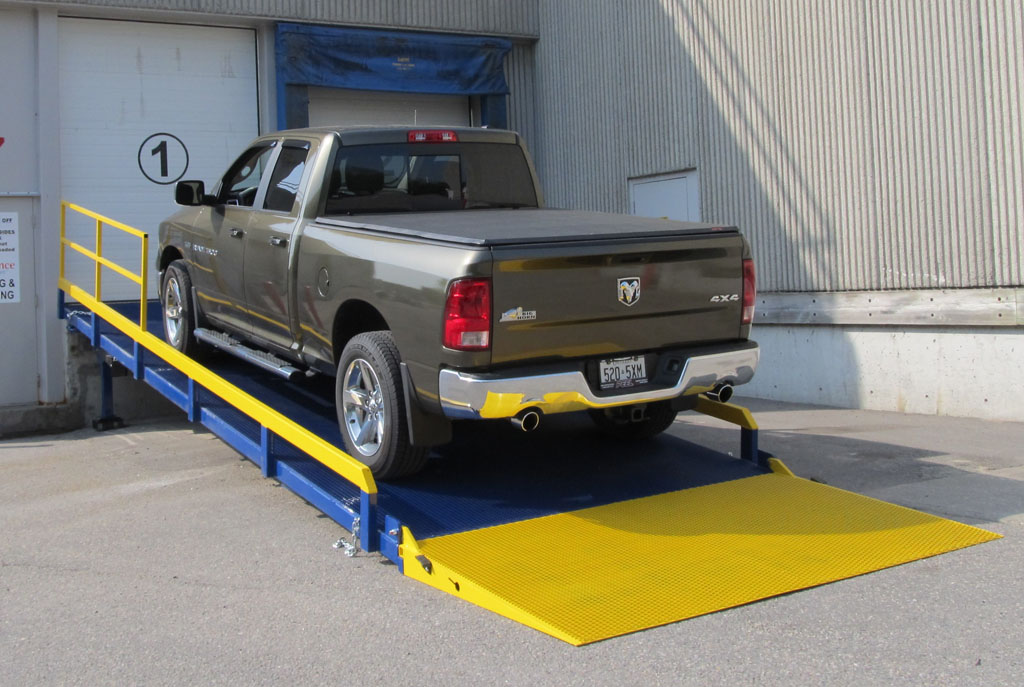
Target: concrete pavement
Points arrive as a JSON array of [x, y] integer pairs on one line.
[[155, 555]]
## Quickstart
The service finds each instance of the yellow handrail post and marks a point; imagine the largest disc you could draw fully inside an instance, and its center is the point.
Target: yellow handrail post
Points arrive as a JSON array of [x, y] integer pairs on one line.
[[63, 235], [99, 254], [143, 315]]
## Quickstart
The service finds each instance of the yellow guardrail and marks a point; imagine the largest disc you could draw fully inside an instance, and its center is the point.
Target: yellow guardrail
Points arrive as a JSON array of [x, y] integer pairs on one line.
[[141, 278], [300, 437]]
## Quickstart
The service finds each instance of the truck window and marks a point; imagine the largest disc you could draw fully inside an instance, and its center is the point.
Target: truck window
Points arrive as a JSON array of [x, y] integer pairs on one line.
[[284, 182], [422, 177], [243, 177]]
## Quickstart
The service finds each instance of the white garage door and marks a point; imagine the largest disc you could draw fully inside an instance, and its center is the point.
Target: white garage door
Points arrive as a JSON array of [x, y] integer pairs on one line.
[[141, 106], [341, 107]]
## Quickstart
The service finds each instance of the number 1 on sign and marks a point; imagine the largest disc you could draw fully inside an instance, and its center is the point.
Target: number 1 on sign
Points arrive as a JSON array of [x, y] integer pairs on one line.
[[161, 150]]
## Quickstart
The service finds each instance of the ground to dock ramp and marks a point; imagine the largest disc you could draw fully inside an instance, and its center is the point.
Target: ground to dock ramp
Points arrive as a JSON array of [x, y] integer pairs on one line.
[[591, 574]]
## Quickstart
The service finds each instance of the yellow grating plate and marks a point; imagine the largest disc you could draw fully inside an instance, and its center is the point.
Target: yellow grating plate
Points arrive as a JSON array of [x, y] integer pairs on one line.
[[601, 572]]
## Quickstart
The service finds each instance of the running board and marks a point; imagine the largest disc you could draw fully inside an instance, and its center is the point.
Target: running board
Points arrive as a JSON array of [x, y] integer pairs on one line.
[[262, 359]]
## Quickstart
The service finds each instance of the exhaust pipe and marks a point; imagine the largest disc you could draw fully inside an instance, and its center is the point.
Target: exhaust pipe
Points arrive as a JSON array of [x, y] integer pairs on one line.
[[721, 393], [526, 420]]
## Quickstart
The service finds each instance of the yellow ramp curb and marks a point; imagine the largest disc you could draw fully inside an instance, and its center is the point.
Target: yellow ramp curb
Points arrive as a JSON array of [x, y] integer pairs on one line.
[[601, 572]]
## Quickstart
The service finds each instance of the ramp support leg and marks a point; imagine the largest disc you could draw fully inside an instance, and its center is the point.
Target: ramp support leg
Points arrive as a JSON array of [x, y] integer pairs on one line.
[[367, 521], [138, 360], [193, 401], [107, 419], [268, 463], [748, 444], [737, 415], [94, 333]]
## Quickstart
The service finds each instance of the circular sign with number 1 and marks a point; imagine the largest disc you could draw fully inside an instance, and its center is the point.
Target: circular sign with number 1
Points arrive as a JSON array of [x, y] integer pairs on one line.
[[163, 158]]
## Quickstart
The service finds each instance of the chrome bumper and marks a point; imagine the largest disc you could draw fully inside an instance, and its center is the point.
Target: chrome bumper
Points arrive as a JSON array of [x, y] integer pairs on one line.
[[469, 396]]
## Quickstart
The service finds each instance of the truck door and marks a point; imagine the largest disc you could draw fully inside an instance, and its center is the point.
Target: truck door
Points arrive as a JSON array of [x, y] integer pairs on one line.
[[217, 253], [270, 248]]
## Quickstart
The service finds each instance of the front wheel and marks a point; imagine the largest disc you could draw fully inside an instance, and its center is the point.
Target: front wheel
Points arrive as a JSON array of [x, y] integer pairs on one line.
[[371, 407], [176, 299], [639, 421]]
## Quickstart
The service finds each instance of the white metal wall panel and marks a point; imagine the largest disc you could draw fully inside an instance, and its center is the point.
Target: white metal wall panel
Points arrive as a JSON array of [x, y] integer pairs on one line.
[[19, 347], [121, 82], [498, 17], [343, 107], [860, 146]]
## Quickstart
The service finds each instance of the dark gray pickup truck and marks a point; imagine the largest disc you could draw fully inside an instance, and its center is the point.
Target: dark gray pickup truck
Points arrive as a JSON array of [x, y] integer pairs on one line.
[[419, 268]]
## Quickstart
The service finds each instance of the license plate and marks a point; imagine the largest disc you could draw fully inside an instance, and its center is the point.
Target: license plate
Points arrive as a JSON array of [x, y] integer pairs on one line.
[[622, 373]]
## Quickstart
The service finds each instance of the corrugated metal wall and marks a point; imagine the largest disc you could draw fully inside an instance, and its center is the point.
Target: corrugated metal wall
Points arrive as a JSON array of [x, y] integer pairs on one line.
[[861, 145], [522, 104], [497, 17]]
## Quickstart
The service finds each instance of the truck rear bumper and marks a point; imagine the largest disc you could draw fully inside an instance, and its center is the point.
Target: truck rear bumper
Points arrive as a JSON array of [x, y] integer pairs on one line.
[[467, 395]]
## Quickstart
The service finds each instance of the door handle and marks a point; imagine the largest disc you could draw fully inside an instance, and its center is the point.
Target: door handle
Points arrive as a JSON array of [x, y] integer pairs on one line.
[[237, 233], [278, 241]]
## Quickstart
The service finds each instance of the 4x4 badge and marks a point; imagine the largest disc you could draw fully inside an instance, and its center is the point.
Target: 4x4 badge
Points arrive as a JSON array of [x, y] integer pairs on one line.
[[629, 290]]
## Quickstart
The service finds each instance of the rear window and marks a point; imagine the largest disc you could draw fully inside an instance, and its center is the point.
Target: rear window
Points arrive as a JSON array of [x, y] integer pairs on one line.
[[423, 177]]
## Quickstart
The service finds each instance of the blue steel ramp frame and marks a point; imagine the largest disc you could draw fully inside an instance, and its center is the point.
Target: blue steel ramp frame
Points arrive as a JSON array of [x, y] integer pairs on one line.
[[281, 447], [522, 475], [302, 472]]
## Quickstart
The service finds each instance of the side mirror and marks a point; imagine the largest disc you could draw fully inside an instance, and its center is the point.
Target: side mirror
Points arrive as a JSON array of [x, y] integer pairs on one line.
[[191, 193]]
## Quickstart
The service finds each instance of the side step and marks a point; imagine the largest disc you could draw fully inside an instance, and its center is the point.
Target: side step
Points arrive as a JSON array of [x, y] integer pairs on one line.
[[267, 361]]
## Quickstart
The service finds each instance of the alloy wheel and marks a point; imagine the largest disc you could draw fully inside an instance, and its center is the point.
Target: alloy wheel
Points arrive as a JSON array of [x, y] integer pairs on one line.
[[363, 407], [174, 314]]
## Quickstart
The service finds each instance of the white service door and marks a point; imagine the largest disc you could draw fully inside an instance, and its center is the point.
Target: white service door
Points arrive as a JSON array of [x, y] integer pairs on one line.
[[675, 196], [141, 106], [342, 107]]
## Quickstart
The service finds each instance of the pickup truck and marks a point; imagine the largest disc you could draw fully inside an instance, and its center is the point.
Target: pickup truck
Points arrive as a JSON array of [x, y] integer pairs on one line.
[[421, 270]]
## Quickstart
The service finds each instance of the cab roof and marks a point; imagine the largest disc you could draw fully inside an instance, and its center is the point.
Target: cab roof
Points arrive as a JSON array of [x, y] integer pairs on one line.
[[366, 135]]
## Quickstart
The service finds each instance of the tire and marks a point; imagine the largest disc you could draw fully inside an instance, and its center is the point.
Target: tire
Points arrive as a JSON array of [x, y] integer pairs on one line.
[[176, 302], [371, 407], [640, 421]]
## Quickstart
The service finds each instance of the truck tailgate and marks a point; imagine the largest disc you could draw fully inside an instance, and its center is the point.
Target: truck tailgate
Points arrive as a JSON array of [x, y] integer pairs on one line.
[[614, 296]]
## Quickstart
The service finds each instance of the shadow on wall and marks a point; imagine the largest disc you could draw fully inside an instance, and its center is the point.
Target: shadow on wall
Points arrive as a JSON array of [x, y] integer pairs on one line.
[[688, 83], [752, 171]]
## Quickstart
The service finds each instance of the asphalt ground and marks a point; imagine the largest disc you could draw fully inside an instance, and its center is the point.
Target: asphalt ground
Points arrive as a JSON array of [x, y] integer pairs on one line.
[[155, 555]]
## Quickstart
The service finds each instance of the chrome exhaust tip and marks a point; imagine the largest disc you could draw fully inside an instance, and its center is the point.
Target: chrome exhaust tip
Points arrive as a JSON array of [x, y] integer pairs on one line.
[[721, 393], [526, 420]]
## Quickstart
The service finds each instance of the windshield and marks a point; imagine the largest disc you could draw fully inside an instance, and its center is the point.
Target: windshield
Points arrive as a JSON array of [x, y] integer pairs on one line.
[[417, 177]]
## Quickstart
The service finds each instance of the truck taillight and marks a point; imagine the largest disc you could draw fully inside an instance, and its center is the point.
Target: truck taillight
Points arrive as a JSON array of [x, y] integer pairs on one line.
[[749, 291], [467, 315], [433, 136]]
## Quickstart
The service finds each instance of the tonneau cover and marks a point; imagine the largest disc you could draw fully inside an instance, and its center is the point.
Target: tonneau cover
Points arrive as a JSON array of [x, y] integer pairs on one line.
[[498, 227]]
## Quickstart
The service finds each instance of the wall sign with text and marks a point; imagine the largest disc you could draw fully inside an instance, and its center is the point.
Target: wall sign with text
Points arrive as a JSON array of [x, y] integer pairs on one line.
[[10, 277]]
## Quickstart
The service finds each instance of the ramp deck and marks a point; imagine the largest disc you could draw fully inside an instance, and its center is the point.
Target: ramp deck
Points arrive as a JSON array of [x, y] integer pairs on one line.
[[605, 571], [562, 530]]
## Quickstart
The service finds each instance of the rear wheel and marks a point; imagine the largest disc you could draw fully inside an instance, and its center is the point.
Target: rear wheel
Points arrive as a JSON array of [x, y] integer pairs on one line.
[[371, 407], [176, 299], [638, 421]]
